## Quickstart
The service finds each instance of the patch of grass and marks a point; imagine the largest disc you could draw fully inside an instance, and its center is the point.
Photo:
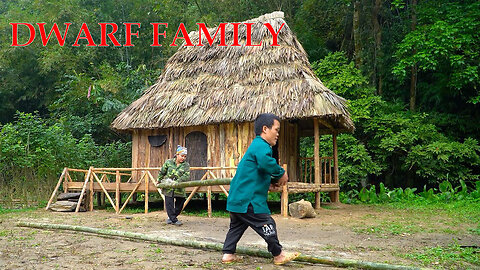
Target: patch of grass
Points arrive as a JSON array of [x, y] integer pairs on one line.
[[16, 210], [475, 230], [204, 213], [452, 256], [388, 227]]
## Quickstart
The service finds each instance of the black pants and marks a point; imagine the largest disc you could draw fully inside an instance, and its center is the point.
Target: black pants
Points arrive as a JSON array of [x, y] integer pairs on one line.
[[174, 207], [263, 224]]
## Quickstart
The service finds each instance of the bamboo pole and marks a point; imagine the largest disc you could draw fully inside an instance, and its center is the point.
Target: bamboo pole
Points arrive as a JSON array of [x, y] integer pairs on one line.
[[87, 177], [56, 187], [215, 246], [210, 182], [159, 168]]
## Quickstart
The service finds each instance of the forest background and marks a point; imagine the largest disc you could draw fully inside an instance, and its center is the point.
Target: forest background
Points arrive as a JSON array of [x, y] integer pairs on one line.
[[409, 70]]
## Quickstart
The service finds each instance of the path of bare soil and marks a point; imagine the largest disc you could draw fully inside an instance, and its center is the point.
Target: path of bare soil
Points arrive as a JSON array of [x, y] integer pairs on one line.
[[346, 231]]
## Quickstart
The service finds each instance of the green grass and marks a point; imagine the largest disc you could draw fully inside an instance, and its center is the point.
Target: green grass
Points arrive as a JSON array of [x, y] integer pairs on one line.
[[451, 257], [14, 210]]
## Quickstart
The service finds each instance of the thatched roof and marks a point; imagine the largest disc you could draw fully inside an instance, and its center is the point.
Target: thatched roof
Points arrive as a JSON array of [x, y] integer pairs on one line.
[[218, 84]]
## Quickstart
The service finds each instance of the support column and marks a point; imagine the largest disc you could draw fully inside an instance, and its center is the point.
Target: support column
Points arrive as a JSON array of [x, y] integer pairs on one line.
[[316, 158], [284, 197], [334, 195]]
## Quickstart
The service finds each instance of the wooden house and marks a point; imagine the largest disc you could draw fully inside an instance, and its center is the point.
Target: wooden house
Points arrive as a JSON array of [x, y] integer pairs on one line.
[[208, 97]]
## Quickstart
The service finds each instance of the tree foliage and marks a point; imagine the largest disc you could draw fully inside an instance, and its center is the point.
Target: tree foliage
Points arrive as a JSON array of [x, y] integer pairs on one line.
[[71, 94]]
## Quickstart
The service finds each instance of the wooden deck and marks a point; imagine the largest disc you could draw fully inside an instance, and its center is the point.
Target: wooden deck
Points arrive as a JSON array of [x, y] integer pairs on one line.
[[97, 180]]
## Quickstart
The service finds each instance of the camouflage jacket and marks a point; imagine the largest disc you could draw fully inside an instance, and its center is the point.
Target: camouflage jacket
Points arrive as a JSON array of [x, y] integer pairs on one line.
[[180, 173]]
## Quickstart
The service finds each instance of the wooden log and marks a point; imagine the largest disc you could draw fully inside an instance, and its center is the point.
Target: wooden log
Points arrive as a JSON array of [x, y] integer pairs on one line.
[[65, 206], [67, 196], [210, 182], [214, 246], [301, 209]]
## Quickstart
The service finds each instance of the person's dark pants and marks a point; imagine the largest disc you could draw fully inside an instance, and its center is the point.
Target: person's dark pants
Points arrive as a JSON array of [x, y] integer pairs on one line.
[[263, 224], [174, 207]]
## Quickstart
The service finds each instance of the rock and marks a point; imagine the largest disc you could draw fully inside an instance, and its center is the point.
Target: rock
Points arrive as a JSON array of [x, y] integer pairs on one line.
[[66, 196], [301, 209], [65, 206]]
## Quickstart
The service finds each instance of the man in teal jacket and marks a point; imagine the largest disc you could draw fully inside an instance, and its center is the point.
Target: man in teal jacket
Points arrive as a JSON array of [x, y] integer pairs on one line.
[[247, 199]]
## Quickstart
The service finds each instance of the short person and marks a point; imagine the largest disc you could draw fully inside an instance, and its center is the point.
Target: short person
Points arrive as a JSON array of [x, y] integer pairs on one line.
[[175, 170], [247, 199]]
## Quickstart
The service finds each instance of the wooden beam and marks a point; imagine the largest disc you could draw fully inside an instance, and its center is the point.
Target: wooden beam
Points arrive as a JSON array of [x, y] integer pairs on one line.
[[56, 187], [316, 157], [325, 123], [87, 177], [105, 191]]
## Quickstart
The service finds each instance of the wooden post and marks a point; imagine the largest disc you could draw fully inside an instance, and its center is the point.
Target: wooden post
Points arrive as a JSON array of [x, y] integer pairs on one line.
[[90, 195], [334, 195], [147, 181], [316, 157], [117, 191], [284, 197], [56, 187], [209, 200], [65, 181], [87, 177]]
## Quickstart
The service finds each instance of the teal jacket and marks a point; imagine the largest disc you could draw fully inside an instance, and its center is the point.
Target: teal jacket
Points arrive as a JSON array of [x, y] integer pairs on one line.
[[252, 179], [180, 173]]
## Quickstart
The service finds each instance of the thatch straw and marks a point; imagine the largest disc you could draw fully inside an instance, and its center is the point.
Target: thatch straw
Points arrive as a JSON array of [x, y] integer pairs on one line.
[[218, 84]]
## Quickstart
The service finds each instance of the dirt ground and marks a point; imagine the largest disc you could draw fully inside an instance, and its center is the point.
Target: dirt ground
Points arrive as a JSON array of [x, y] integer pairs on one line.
[[343, 231]]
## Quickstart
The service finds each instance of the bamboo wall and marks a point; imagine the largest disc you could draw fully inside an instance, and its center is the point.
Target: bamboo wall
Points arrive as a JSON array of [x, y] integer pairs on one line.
[[226, 145]]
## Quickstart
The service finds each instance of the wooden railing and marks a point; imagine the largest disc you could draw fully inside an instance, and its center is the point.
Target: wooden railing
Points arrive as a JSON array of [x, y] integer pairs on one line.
[[97, 180], [307, 170]]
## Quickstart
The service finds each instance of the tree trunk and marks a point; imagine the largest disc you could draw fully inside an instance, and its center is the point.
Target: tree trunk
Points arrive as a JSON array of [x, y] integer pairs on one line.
[[413, 78], [377, 34], [356, 33], [212, 246]]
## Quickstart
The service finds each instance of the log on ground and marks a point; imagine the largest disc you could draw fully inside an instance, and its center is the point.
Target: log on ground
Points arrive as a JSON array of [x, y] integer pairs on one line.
[[215, 246]]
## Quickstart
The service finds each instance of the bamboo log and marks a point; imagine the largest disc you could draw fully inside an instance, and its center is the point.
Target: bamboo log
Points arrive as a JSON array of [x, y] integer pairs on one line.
[[210, 182], [215, 246]]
